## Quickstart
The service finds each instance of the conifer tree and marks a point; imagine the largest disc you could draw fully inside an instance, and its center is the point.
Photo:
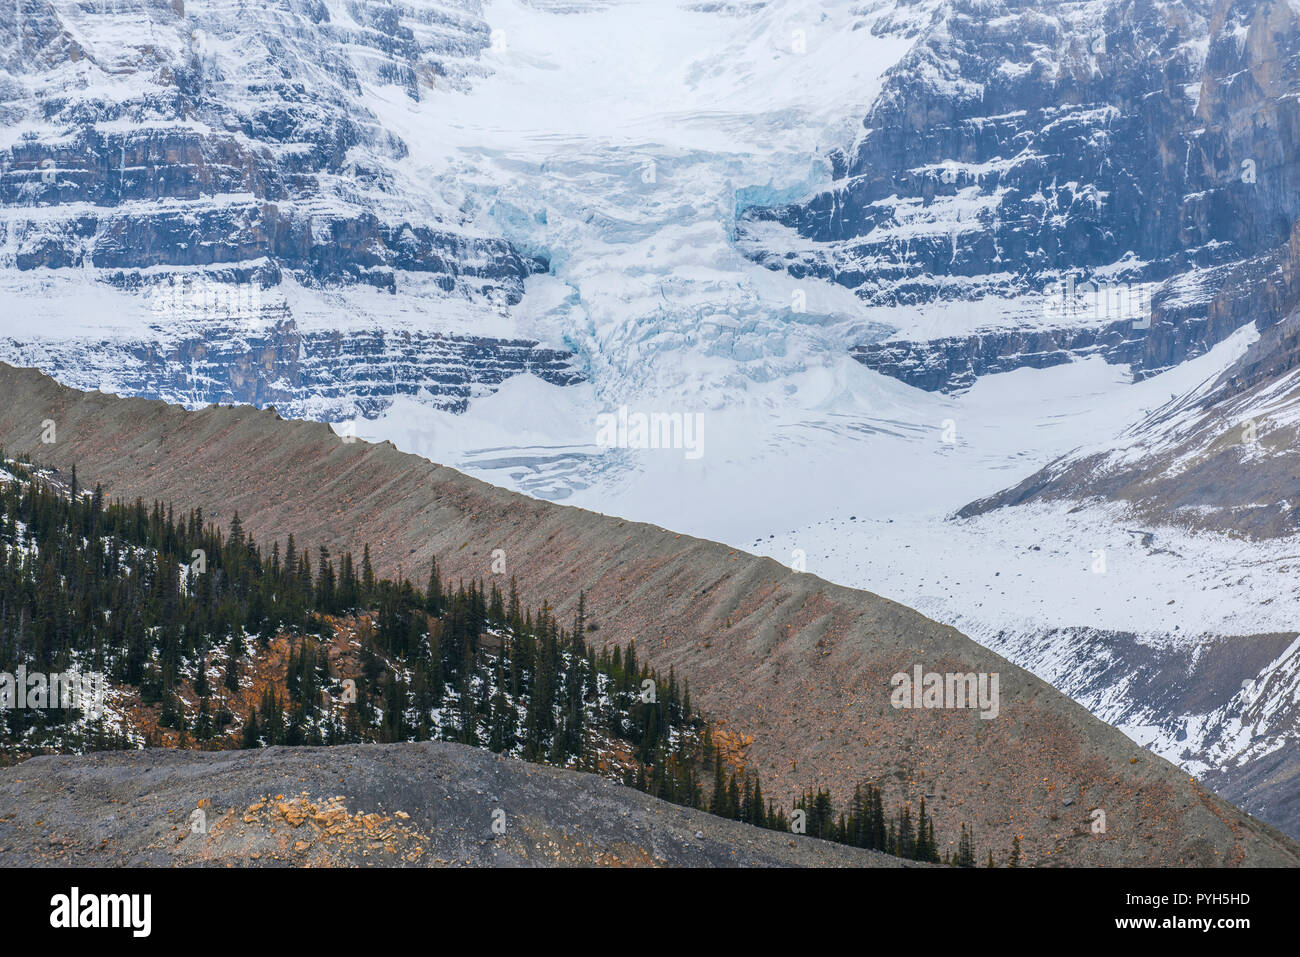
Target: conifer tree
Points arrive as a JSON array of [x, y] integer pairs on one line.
[[718, 800], [965, 852], [251, 734], [367, 576]]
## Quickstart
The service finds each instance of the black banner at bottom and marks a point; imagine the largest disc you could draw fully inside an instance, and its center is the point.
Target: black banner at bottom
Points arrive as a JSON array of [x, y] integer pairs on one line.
[[332, 907]]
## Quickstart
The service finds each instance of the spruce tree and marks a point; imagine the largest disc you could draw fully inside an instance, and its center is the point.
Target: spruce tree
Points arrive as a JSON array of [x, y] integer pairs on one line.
[[251, 732], [718, 801]]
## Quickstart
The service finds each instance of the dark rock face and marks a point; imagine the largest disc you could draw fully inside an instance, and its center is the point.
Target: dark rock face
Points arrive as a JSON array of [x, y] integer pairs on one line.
[[234, 147], [333, 374], [316, 375], [1272, 356], [320, 249], [152, 148], [1018, 142], [954, 363]]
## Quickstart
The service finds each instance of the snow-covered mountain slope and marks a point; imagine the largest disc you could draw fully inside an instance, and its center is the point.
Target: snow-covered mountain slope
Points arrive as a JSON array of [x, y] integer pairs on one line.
[[1221, 456], [474, 229], [1142, 155], [637, 153], [196, 202]]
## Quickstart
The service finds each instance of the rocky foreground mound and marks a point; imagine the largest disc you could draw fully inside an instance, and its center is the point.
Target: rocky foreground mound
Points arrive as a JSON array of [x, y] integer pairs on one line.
[[433, 804]]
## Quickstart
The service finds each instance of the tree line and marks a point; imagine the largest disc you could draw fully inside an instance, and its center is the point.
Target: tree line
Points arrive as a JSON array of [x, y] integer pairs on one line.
[[152, 599]]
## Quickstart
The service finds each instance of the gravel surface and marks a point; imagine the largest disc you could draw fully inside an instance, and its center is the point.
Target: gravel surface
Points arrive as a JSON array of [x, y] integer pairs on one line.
[[432, 804]]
